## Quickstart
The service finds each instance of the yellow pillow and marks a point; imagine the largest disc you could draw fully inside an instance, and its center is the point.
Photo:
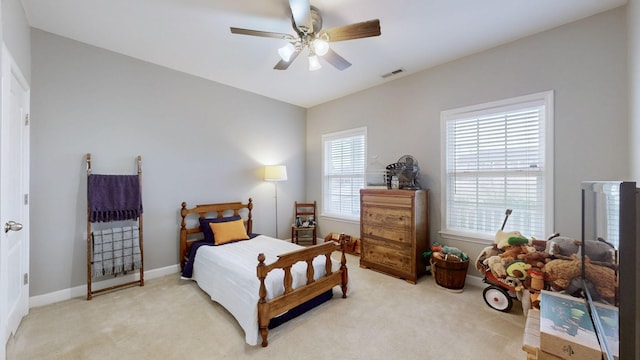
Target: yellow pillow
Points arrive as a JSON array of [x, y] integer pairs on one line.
[[225, 232]]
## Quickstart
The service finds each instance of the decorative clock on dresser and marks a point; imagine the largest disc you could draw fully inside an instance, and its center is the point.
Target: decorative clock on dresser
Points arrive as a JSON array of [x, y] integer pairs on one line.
[[394, 231]]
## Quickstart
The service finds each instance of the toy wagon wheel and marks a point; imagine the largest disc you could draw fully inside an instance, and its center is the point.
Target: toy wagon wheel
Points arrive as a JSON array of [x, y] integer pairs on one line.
[[497, 298]]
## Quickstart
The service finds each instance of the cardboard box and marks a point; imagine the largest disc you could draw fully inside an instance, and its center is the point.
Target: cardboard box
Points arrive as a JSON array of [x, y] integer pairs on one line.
[[352, 243], [566, 329]]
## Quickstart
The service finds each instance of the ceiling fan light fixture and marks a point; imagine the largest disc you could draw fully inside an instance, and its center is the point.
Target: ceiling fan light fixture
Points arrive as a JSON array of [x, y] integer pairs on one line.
[[314, 63], [306, 22], [320, 47], [286, 51]]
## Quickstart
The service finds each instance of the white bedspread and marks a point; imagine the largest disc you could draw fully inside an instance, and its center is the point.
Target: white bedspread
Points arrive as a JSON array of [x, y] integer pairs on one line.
[[228, 274]]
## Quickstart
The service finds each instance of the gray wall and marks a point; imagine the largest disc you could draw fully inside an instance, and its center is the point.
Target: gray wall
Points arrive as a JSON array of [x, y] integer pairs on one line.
[[200, 142], [633, 28], [15, 34], [584, 63], [633, 21]]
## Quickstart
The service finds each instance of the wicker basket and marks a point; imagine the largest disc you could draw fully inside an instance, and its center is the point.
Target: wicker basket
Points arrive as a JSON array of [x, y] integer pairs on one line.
[[450, 274]]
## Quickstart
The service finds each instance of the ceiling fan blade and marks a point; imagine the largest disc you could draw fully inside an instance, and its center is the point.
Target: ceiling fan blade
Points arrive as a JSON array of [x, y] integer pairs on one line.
[[301, 13], [354, 31], [336, 60], [284, 65], [235, 30]]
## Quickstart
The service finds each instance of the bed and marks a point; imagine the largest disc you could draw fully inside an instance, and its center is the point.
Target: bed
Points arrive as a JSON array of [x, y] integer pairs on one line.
[[259, 280]]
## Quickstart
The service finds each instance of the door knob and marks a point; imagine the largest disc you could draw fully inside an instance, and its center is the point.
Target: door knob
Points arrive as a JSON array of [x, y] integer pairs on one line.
[[13, 226]]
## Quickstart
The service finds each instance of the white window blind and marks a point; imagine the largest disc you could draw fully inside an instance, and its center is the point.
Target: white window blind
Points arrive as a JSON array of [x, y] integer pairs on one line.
[[344, 173], [496, 159], [612, 233]]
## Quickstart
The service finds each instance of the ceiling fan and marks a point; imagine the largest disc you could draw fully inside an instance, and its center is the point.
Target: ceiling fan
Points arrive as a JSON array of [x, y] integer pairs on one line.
[[307, 24]]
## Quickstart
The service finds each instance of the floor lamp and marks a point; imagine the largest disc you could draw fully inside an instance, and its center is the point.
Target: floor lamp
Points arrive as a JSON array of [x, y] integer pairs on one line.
[[275, 173]]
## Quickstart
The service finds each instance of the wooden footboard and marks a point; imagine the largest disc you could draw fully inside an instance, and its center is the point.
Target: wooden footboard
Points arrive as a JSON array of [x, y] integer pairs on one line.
[[268, 309]]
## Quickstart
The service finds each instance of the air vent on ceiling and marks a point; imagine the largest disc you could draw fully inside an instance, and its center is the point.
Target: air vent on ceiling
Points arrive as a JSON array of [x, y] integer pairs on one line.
[[393, 73]]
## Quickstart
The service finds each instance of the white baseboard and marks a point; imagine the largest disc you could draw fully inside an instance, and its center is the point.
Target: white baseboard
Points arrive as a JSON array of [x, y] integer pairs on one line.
[[81, 291], [475, 281]]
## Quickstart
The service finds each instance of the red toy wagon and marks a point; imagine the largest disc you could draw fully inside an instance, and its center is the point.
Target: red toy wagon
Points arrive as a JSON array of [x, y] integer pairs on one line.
[[498, 295]]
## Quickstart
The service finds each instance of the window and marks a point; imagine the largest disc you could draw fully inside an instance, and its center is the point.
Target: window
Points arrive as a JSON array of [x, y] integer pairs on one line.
[[612, 235], [498, 156], [607, 214], [344, 155]]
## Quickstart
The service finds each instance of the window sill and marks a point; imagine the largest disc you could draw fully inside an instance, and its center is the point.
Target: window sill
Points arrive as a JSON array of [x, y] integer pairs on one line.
[[340, 219], [473, 238]]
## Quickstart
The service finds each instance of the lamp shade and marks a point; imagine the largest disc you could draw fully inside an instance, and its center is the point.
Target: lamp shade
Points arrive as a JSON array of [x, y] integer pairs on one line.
[[275, 173]]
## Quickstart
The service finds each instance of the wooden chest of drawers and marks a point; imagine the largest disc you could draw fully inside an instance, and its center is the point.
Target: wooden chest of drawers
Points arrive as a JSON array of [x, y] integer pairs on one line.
[[394, 230]]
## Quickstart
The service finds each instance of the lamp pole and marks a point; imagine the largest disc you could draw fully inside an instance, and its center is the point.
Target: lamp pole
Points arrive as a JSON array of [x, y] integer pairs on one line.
[[275, 173], [275, 184]]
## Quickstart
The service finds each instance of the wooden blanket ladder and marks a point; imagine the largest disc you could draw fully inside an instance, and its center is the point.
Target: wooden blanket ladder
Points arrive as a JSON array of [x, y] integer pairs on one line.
[[90, 230]]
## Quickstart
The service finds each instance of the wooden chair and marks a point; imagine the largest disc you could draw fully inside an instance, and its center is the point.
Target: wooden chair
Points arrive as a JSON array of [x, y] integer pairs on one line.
[[304, 221]]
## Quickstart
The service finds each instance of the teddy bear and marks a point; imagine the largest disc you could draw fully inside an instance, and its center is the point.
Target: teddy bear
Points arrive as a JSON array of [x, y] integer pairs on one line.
[[537, 259], [486, 253], [561, 272], [510, 253], [604, 279], [496, 266]]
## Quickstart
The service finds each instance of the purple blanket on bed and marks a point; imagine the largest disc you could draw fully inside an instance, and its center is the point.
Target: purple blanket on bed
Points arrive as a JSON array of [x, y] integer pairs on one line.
[[187, 272]]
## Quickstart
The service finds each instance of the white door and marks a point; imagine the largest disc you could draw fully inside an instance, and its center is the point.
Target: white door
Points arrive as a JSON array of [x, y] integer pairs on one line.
[[14, 209]]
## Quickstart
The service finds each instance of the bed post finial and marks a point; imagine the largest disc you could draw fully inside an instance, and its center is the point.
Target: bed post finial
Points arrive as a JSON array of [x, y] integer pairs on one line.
[[183, 213], [343, 266], [183, 236], [263, 316], [249, 216]]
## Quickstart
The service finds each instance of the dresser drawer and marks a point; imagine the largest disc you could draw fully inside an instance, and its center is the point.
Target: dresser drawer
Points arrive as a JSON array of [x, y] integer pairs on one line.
[[377, 199], [386, 216], [402, 234], [396, 256]]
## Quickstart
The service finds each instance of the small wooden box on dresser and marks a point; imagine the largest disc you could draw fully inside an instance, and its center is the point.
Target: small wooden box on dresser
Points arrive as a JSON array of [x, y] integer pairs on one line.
[[394, 231]]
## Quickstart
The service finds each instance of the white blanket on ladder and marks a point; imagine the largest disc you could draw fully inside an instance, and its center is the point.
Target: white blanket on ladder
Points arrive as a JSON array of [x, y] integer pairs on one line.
[[116, 250]]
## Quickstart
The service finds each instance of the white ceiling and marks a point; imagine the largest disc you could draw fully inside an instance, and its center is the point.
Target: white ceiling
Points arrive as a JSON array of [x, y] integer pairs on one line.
[[193, 36]]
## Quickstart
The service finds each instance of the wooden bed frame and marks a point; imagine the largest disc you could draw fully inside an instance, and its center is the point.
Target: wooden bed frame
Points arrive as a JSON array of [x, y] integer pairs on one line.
[[269, 309]]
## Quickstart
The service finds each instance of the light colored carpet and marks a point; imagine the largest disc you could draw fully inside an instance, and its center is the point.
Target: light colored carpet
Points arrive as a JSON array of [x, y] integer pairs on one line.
[[169, 318]]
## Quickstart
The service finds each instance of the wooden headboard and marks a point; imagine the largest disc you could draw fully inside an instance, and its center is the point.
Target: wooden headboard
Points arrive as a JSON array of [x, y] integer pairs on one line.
[[189, 234]]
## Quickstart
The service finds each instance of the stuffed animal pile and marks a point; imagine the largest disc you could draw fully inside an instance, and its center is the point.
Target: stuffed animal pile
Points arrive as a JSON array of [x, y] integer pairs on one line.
[[529, 264], [448, 253]]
